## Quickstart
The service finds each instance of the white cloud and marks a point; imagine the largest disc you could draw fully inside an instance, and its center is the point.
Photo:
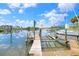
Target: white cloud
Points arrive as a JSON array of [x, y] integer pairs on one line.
[[17, 22], [51, 13], [21, 6], [8, 23], [14, 5], [55, 18], [14, 17], [2, 21], [66, 7], [20, 10], [4, 11], [42, 23], [24, 23], [26, 5]]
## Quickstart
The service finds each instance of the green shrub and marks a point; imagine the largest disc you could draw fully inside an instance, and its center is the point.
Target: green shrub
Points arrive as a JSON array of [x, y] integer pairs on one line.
[[1, 30]]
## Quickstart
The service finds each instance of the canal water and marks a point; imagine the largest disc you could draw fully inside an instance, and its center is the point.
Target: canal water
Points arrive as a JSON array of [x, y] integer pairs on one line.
[[13, 44]]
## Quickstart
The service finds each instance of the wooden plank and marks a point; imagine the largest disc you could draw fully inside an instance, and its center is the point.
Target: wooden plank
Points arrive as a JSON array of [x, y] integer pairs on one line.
[[36, 47]]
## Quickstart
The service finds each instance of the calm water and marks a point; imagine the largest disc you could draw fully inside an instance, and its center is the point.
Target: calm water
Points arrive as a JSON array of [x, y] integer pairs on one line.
[[13, 44]]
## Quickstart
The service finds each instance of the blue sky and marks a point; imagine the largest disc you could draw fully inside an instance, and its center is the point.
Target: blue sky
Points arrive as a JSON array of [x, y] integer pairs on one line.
[[45, 14]]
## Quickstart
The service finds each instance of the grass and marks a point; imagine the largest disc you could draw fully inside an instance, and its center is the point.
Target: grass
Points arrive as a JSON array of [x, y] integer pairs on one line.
[[73, 29]]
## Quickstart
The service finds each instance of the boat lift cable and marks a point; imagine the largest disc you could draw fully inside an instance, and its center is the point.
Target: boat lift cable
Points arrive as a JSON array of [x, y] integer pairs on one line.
[[75, 12]]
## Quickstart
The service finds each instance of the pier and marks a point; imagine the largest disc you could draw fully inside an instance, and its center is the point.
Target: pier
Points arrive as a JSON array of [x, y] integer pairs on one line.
[[74, 50], [36, 47]]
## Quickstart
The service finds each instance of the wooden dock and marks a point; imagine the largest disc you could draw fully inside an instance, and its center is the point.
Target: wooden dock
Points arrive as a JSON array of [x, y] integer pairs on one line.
[[36, 47], [73, 51]]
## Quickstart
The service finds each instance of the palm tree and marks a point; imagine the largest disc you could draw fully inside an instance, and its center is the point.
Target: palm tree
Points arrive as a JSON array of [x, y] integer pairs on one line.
[[75, 19]]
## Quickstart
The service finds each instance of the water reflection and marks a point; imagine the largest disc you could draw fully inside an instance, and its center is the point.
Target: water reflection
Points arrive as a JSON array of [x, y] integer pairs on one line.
[[11, 39], [13, 43]]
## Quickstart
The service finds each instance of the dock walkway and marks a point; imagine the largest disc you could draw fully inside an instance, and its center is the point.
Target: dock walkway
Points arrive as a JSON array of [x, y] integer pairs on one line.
[[36, 47], [73, 51]]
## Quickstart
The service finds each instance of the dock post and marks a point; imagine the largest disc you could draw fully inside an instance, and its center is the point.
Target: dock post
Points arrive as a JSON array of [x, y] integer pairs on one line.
[[34, 29], [66, 41], [40, 34]]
